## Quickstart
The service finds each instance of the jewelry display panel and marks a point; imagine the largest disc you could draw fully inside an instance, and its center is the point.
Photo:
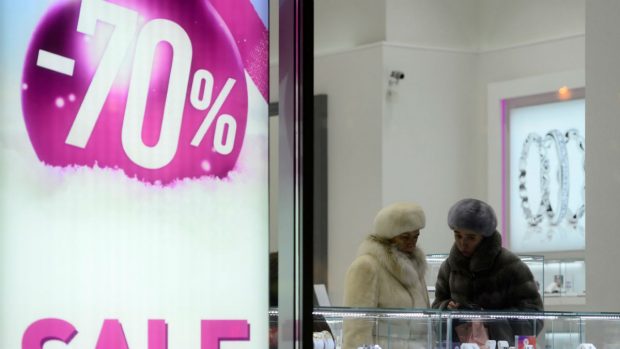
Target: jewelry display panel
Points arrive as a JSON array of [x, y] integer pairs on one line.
[[544, 192]]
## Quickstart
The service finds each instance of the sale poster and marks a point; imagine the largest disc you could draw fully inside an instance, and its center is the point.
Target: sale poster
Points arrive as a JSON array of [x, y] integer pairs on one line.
[[133, 174]]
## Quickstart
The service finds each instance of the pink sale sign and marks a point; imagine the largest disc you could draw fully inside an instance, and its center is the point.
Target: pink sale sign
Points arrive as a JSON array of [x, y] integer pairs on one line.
[[156, 89], [112, 335], [135, 139]]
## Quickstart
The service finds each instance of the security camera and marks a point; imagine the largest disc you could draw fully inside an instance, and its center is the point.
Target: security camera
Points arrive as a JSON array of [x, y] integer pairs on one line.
[[398, 75]]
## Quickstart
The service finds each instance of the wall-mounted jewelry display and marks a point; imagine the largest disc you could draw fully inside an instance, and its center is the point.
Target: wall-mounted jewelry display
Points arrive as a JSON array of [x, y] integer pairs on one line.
[[558, 211], [544, 192]]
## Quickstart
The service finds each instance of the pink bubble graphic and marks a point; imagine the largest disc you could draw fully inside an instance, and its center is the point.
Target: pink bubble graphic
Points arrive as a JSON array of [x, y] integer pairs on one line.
[[154, 88], [59, 102]]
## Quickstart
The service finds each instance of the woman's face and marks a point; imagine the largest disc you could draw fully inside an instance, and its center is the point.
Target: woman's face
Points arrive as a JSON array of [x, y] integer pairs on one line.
[[467, 241], [407, 241]]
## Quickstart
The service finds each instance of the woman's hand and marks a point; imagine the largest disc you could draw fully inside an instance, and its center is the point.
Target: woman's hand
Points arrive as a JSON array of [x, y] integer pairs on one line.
[[453, 305]]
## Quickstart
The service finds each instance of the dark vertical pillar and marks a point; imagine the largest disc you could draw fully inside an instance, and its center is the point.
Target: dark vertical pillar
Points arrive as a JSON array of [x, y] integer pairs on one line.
[[295, 177]]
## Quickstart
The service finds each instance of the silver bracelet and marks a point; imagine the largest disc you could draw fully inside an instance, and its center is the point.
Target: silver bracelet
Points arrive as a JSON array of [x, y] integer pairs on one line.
[[558, 139], [534, 219], [573, 217]]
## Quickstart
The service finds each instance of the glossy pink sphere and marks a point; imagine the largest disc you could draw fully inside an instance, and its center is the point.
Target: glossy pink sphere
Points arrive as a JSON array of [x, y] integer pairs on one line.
[[51, 100]]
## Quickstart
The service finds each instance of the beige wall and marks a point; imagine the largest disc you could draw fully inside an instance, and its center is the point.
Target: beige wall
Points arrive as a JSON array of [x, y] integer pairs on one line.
[[602, 153], [353, 84], [429, 153]]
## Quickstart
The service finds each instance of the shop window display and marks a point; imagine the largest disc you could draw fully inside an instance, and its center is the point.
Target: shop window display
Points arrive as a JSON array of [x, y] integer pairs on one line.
[[545, 197]]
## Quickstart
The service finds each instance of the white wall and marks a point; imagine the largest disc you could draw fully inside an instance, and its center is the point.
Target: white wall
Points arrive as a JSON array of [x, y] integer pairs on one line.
[[346, 24], [507, 23], [353, 83], [603, 153], [433, 23], [482, 25], [428, 151]]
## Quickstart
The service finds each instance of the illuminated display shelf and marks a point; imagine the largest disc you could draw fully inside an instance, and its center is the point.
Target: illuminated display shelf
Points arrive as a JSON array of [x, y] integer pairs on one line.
[[561, 329], [565, 281]]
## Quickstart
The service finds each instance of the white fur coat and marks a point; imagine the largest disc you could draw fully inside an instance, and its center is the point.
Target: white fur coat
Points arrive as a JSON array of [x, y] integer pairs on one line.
[[383, 277]]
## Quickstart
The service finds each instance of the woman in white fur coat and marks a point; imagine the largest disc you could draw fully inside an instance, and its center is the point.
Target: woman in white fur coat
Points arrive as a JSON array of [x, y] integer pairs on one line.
[[388, 273]]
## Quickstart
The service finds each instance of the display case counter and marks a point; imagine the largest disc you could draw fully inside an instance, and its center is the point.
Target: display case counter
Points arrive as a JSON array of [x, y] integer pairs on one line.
[[429, 328]]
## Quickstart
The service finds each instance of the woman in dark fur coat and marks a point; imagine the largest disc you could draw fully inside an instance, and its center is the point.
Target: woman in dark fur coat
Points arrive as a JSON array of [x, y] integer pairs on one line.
[[481, 274]]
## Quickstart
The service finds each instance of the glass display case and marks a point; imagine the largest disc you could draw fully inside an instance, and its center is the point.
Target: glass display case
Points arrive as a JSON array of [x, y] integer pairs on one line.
[[536, 264], [565, 277], [433, 262], [565, 281], [428, 328]]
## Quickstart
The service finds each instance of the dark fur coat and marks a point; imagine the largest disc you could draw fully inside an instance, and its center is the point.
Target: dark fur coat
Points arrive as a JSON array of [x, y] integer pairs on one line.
[[492, 279]]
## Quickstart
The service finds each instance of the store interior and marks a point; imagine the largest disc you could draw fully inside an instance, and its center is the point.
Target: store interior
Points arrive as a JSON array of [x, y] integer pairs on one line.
[[414, 92]]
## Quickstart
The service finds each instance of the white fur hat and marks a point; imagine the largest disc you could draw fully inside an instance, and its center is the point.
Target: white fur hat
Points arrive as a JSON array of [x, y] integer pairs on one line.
[[398, 218]]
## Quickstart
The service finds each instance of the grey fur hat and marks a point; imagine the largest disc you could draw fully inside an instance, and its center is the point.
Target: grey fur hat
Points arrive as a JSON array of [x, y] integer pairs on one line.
[[473, 214], [398, 218]]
